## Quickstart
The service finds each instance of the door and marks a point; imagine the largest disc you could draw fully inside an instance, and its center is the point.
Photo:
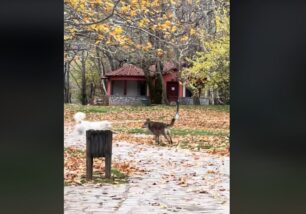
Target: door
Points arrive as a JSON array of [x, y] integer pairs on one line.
[[172, 91]]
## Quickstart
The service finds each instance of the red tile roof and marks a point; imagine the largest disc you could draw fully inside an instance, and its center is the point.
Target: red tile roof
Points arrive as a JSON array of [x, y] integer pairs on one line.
[[168, 66], [134, 71], [127, 70]]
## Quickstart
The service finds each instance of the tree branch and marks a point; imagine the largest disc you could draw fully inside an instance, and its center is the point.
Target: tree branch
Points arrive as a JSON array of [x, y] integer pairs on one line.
[[104, 19]]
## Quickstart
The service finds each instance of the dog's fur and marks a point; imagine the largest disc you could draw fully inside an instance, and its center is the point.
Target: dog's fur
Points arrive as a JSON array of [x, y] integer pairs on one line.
[[158, 128], [82, 125]]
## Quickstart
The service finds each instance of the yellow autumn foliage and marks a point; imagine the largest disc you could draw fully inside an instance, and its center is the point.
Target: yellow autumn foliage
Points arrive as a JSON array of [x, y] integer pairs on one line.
[[211, 67]]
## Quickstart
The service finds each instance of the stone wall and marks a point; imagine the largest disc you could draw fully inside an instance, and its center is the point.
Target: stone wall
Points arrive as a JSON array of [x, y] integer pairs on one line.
[[204, 101], [128, 100], [103, 100], [143, 100], [189, 101], [186, 100]]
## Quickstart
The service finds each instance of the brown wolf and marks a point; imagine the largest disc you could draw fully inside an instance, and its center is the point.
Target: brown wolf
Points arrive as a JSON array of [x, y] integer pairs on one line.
[[159, 128]]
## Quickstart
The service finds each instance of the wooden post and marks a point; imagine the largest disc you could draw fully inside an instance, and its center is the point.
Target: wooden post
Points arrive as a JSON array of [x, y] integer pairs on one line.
[[108, 166], [89, 165], [98, 144], [108, 154], [89, 158]]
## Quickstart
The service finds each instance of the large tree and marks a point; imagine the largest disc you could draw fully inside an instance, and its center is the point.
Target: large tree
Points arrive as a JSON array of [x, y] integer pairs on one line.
[[209, 68], [141, 32]]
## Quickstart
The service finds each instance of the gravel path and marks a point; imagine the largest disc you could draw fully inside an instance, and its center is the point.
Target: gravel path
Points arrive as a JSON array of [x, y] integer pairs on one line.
[[175, 180]]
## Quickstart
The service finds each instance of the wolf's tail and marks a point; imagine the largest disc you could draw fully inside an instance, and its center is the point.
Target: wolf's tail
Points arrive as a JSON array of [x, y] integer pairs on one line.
[[79, 116], [176, 115]]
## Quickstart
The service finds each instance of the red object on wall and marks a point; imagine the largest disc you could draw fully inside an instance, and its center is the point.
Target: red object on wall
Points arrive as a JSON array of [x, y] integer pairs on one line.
[[172, 91]]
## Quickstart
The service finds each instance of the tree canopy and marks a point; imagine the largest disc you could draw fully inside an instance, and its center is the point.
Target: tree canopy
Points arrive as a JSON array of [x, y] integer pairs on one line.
[[210, 68], [145, 32]]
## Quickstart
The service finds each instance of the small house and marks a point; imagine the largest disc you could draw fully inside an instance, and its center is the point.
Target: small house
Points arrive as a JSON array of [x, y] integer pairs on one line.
[[127, 85]]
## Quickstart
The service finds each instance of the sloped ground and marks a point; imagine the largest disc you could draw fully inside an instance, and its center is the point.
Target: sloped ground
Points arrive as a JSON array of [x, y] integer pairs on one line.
[[169, 179]]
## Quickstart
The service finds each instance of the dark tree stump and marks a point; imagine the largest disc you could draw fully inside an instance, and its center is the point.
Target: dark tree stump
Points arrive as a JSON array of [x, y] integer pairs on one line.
[[98, 144]]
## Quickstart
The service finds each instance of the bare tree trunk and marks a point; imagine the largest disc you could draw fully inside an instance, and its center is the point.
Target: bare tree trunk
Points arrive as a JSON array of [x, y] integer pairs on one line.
[[101, 72], [68, 84], [67, 94], [212, 97], [92, 93], [159, 68], [103, 81], [210, 18], [65, 82], [111, 61], [145, 65], [218, 98], [83, 90], [196, 99]]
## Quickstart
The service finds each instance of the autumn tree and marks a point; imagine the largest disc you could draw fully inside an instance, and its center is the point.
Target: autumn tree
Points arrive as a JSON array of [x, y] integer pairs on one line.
[[209, 69], [141, 32]]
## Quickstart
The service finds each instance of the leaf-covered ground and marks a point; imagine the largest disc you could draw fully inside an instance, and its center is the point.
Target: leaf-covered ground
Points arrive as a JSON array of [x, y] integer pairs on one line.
[[75, 169], [147, 177], [160, 180], [198, 128]]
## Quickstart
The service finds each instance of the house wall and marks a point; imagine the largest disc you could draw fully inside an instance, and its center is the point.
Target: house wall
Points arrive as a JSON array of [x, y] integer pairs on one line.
[[118, 87], [173, 77], [132, 88], [115, 85], [170, 77]]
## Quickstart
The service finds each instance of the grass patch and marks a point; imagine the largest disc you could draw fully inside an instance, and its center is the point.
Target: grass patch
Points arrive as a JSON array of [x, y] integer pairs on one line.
[[117, 177], [184, 145], [106, 109], [197, 132], [179, 132], [117, 174], [98, 177], [91, 109], [188, 145], [199, 146], [220, 108], [133, 131]]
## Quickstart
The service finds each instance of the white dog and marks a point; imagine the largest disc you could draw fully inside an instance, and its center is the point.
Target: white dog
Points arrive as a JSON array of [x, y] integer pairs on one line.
[[82, 125]]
